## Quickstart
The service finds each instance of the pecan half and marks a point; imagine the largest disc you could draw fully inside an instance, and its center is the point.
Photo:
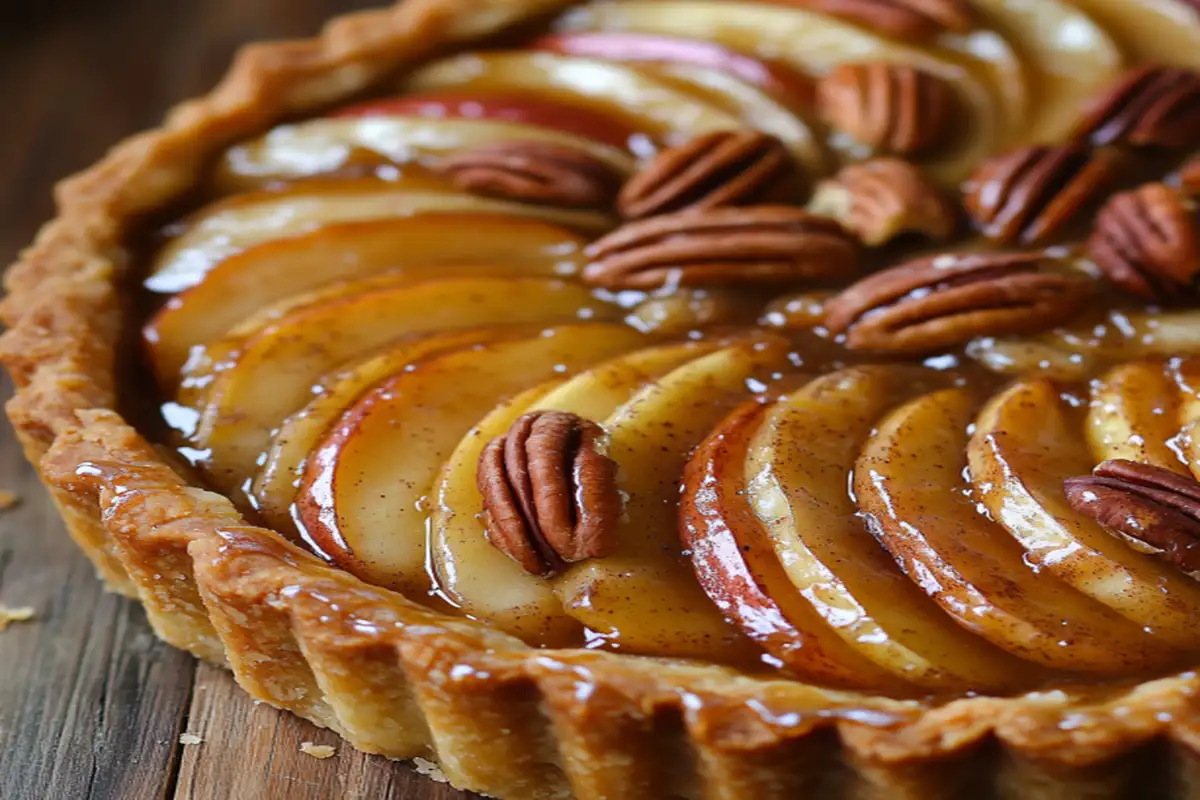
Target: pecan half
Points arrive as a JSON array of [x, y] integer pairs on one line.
[[754, 244], [721, 168], [1031, 193], [1145, 241], [945, 300], [890, 107], [882, 198], [549, 495], [534, 172], [1152, 508], [1149, 106], [912, 20]]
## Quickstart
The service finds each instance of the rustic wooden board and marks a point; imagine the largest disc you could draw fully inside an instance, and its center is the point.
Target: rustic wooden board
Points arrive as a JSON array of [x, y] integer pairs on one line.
[[91, 703]]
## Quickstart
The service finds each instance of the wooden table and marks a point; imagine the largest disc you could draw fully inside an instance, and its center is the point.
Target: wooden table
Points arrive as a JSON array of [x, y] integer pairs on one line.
[[92, 705]]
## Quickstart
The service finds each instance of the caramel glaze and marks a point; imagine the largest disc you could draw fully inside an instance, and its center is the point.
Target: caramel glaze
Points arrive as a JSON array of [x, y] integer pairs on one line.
[[1083, 357]]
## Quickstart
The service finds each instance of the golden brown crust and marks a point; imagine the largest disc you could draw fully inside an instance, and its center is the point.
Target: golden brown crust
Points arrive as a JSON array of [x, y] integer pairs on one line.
[[398, 679]]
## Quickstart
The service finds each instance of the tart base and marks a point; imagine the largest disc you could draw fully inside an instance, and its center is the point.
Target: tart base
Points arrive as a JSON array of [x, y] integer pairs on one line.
[[400, 680]]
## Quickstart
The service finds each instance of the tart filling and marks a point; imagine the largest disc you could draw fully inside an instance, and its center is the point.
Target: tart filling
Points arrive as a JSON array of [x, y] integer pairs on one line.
[[856, 355]]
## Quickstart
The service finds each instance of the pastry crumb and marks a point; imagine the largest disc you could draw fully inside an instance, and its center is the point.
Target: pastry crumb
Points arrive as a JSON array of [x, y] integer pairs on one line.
[[11, 615], [317, 750], [8, 499], [429, 770], [189, 738]]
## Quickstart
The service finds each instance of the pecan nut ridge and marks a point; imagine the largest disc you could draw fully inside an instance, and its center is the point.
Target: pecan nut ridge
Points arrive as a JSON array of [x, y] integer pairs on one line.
[[1031, 193], [892, 108], [1151, 106], [1146, 242], [550, 496], [741, 245], [883, 198], [946, 300], [534, 172], [1153, 509], [720, 168]]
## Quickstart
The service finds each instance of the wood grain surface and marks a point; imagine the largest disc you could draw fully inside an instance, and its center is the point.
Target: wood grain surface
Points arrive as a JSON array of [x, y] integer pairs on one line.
[[92, 705]]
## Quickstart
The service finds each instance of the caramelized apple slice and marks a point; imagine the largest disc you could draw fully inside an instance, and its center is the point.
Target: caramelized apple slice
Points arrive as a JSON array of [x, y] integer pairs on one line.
[[231, 226], [324, 145], [272, 373], [279, 476], [365, 493], [650, 438], [484, 582], [798, 465], [1075, 352], [1066, 58], [736, 565], [1185, 373], [815, 43], [1134, 414], [657, 109], [909, 484], [424, 245], [1152, 31], [1022, 450]]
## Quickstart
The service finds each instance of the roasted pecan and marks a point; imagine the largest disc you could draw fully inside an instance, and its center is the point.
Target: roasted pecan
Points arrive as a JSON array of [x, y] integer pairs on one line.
[[1150, 106], [941, 301], [890, 107], [1145, 241], [550, 496], [913, 20], [753, 244], [1031, 193], [721, 168], [883, 198], [534, 172], [1152, 508]]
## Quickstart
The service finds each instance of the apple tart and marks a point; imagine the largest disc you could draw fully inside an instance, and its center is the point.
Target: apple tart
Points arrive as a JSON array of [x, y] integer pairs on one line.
[[648, 399]]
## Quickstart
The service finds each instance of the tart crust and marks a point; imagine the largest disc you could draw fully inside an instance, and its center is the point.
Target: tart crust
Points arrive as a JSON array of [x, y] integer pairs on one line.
[[395, 678]]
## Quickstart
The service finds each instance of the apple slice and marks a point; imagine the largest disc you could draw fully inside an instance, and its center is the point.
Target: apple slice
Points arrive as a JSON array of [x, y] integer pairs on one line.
[[736, 565], [278, 478], [1134, 414], [1151, 31], [423, 245], [1022, 450], [524, 109], [791, 87], [1185, 373], [477, 577], [650, 438], [365, 498], [322, 146], [798, 466], [813, 43], [228, 227], [909, 484], [624, 92], [1067, 58], [272, 373]]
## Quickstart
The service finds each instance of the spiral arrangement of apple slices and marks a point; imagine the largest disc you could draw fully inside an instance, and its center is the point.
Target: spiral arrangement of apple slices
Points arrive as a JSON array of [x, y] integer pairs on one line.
[[342, 330]]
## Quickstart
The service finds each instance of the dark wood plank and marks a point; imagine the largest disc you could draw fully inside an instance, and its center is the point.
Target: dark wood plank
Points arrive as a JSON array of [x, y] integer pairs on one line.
[[91, 703]]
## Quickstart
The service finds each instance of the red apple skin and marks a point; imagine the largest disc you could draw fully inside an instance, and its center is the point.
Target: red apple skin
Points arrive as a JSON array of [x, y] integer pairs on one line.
[[738, 569], [792, 88], [542, 112]]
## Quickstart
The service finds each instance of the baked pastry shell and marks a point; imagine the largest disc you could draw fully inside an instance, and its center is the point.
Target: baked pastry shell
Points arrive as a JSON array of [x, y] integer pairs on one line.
[[395, 678]]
